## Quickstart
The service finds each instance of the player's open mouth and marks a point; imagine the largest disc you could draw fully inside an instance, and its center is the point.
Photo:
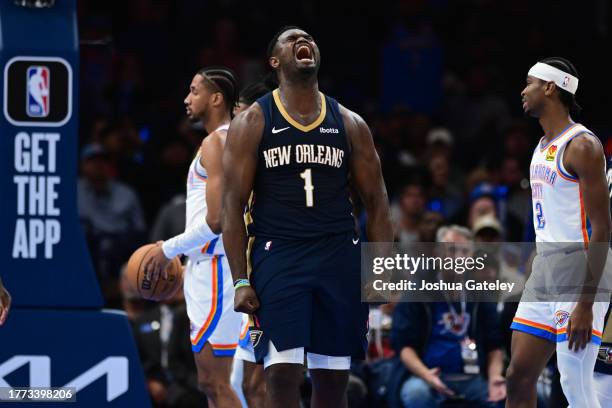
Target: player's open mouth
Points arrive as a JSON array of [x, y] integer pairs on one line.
[[303, 53]]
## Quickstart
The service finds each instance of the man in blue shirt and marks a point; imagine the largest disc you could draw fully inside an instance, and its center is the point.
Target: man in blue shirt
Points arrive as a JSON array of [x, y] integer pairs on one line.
[[449, 350]]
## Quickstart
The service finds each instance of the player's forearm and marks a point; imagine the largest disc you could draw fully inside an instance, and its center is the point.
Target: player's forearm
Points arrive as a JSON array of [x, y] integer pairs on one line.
[[596, 262], [495, 363], [189, 240], [600, 232], [379, 227], [235, 241]]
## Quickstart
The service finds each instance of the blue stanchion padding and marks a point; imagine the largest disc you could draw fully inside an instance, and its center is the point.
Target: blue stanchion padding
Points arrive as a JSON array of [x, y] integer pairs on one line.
[[43, 257], [55, 335]]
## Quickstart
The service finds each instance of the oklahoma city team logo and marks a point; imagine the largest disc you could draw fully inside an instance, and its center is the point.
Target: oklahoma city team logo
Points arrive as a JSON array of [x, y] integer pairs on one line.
[[561, 317], [550, 154], [38, 87]]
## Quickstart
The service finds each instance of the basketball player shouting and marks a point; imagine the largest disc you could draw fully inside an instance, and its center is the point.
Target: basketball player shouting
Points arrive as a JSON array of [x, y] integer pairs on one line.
[[5, 303], [295, 149], [209, 294], [568, 183]]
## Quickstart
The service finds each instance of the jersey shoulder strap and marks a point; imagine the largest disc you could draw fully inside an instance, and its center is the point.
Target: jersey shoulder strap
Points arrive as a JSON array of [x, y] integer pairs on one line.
[[266, 104]]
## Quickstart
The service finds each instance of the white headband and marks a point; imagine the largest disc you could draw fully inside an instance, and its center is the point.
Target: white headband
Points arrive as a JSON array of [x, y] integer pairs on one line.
[[562, 79]]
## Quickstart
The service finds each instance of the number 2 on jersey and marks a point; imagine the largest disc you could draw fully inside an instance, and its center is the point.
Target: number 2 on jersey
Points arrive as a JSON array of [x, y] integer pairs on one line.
[[308, 187], [540, 215]]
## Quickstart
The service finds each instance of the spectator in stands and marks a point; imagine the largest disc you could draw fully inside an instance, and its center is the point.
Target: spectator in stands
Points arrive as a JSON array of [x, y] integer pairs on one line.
[[5, 303], [477, 114], [430, 222], [131, 302], [412, 61], [170, 220], [166, 356], [110, 213], [450, 350], [224, 49], [490, 199], [408, 212], [487, 228], [518, 143], [440, 141], [444, 196], [483, 203], [518, 198]]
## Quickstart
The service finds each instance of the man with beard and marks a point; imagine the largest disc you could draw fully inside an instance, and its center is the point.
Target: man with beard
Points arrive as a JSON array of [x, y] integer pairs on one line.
[[569, 192], [209, 293], [295, 149]]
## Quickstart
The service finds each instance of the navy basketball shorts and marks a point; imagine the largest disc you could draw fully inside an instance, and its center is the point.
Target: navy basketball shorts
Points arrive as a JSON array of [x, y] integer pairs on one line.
[[310, 296]]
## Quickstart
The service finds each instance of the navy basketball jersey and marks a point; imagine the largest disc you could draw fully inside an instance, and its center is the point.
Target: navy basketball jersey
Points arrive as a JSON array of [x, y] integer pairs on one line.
[[301, 186]]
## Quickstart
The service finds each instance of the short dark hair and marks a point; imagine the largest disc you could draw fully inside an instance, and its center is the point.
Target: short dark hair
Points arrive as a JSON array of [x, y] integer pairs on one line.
[[256, 90], [253, 92], [415, 181], [226, 83], [274, 40], [568, 99]]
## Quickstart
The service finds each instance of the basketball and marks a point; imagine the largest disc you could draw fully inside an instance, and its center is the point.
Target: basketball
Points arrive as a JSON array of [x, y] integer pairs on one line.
[[162, 289]]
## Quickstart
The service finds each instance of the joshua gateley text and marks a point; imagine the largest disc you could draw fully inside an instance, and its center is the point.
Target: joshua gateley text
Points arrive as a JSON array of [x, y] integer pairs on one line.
[[440, 285]]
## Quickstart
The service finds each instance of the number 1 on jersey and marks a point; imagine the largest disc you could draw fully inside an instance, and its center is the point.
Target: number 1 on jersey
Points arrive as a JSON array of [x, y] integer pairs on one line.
[[308, 187]]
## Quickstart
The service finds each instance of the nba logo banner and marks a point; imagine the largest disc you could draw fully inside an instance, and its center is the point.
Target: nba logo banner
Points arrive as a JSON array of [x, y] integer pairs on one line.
[[38, 91]]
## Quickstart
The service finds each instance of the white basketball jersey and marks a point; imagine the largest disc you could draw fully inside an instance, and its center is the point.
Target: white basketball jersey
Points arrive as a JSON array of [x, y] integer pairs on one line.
[[558, 208], [196, 208]]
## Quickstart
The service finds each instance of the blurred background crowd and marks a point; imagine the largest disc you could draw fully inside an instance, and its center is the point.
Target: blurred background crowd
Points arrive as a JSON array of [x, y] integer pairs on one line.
[[438, 81]]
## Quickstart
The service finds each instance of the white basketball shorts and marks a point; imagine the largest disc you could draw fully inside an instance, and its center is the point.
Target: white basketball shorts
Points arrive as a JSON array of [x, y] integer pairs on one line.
[[209, 296]]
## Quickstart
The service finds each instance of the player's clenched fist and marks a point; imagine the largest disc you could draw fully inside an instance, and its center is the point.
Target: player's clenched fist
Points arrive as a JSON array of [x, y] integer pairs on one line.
[[5, 303], [245, 300]]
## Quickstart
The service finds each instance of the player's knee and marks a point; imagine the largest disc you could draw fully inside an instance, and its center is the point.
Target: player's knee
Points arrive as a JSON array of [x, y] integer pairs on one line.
[[212, 386], [254, 389], [329, 380], [520, 379], [283, 377]]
